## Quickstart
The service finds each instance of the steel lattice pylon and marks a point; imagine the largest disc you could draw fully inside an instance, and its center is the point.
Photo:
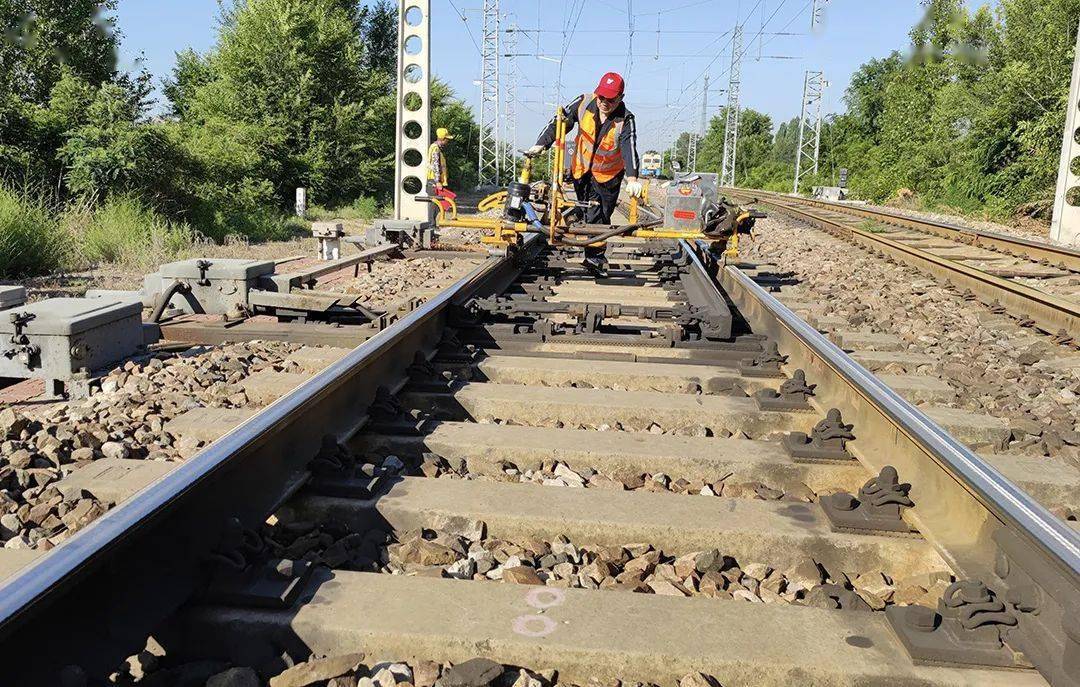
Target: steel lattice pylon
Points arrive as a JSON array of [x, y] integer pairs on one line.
[[703, 130], [489, 163], [509, 118], [809, 150], [691, 152], [731, 125], [817, 13]]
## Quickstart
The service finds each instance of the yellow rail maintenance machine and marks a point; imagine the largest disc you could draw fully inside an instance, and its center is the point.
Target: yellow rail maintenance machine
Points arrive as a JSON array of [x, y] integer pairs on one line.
[[692, 210]]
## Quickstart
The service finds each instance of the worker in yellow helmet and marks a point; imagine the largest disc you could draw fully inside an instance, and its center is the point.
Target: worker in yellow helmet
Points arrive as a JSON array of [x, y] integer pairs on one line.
[[438, 175], [605, 154]]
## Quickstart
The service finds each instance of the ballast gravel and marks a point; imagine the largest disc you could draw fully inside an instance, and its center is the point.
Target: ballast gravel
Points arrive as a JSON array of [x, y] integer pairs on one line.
[[126, 418], [997, 367], [148, 669], [393, 281]]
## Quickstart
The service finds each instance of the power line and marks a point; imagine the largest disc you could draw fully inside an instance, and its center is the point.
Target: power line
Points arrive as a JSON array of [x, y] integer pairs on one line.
[[566, 46], [620, 54], [793, 18], [724, 51], [665, 31], [677, 8], [712, 62], [663, 11], [705, 71], [465, 21]]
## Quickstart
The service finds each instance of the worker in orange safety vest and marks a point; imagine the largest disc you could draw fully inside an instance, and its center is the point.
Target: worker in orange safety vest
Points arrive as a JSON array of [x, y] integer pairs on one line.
[[605, 153]]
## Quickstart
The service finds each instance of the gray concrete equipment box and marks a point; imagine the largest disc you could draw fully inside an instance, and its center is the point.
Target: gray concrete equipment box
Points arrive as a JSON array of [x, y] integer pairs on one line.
[[217, 286], [64, 339]]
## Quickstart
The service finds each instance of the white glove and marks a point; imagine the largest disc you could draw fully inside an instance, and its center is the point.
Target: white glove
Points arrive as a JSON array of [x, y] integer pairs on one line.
[[535, 150], [634, 188]]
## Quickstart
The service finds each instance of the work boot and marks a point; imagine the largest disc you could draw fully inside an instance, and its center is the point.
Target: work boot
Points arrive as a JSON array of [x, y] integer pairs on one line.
[[596, 265]]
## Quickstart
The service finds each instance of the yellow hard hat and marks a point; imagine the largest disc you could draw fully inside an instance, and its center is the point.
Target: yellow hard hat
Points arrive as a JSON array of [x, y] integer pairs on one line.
[[443, 133]]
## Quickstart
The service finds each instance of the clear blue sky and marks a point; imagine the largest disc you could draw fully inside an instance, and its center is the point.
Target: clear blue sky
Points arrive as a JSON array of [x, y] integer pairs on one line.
[[664, 76]]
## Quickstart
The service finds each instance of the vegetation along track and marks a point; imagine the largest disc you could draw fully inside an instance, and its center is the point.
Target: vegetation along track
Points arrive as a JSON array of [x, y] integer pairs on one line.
[[1036, 283], [665, 430]]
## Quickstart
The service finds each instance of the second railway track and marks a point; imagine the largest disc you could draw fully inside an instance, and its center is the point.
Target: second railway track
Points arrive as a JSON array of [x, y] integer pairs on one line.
[[668, 430], [1036, 283]]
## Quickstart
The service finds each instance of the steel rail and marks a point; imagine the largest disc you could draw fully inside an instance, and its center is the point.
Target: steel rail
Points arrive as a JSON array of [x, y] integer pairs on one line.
[[1052, 314], [1035, 251], [129, 570], [962, 503]]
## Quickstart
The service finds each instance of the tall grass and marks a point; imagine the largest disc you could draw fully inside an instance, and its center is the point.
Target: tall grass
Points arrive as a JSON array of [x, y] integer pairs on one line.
[[31, 241], [38, 238], [124, 231]]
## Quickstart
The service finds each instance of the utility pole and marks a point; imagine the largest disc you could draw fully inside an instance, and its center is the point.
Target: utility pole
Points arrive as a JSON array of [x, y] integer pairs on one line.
[[488, 166], [1065, 225], [809, 150], [509, 118], [731, 125]]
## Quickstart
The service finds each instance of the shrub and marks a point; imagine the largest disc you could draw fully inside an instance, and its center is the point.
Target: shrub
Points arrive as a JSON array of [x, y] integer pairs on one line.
[[364, 209], [31, 243]]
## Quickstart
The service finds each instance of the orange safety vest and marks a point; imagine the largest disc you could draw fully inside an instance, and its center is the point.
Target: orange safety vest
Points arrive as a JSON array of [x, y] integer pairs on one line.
[[604, 160]]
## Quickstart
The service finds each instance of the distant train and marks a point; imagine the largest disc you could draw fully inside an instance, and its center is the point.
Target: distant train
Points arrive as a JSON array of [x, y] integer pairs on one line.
[[650, 164]]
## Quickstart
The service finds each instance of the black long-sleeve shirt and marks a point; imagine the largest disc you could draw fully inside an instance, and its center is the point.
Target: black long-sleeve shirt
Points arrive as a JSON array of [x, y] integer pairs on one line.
[[627, 139]]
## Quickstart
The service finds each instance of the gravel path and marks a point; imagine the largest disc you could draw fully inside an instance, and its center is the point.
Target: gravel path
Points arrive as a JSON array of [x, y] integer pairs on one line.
[[997, 367]]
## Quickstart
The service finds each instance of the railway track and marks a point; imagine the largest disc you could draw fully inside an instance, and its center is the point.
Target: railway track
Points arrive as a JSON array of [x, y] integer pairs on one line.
[[1036, 283], [667, 432]]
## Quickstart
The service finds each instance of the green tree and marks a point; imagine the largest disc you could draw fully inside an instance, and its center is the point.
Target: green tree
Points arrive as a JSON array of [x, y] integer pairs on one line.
[[108, 151], [296, 93], [44, 37], [971, 120]]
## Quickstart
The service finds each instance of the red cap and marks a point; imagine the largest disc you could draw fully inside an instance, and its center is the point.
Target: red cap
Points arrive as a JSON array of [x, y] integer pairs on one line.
[[611, 86]]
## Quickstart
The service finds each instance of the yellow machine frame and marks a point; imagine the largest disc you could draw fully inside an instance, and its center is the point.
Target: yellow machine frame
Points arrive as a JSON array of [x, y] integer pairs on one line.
[[506, 232]]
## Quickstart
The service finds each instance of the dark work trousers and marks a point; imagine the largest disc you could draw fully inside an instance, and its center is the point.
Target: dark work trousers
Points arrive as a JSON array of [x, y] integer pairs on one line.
[[607, 195]]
